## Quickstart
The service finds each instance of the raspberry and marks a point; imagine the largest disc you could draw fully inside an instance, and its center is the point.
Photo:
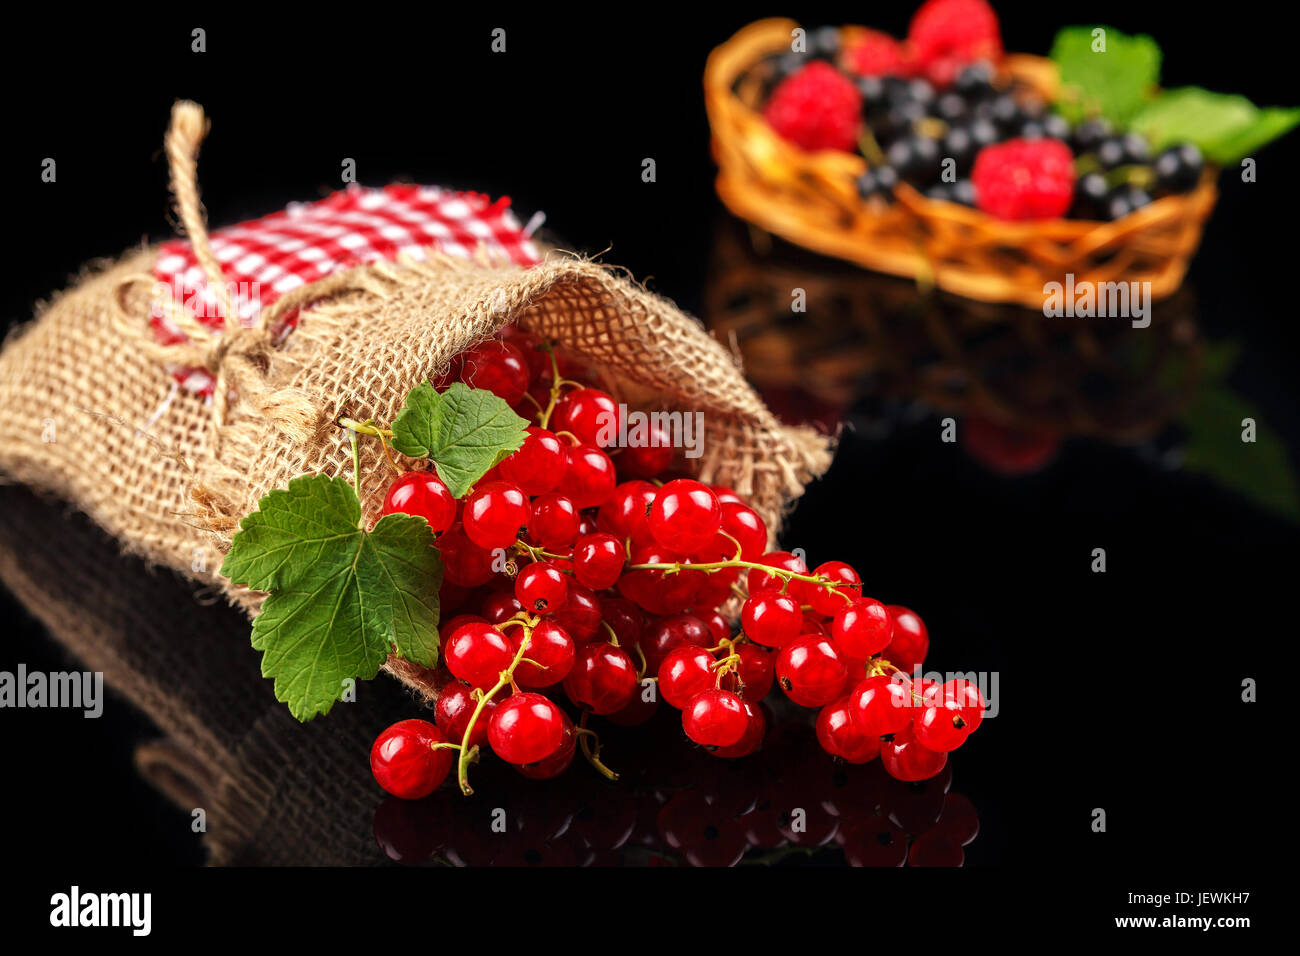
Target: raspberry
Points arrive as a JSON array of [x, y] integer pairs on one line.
[[945, 35], [1024, 179], [816, 108], [877, 54]]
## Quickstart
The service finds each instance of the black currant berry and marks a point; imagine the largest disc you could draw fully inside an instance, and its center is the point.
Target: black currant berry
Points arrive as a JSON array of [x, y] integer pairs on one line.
[[939, 190], [898, 120], [975, 82], [1090, 194], [1004, 111], [959, 145], [1122, 150], [879, 181], [963, 191], [983, 132], [1089, 134], [916, 158], [825, 42], [951, 107], [1124, 200], [1178, 168], [873, 92]]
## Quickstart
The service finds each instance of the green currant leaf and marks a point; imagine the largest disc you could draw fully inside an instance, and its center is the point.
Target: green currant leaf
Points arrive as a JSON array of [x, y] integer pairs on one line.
[[339, 599], [1224, 127], [1115, 82], [465, 431]]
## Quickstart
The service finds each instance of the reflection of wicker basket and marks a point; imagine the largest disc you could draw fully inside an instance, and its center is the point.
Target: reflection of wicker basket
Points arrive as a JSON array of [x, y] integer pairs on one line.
[[811, 199]]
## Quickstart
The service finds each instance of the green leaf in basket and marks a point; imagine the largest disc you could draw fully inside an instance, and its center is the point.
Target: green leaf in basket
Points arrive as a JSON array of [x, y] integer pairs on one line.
[[1114, 81], [465, 431], [1224, 127], [339, 599]]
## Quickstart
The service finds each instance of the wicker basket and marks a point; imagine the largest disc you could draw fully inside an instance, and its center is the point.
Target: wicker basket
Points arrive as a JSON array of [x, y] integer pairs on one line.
[[811, 199]]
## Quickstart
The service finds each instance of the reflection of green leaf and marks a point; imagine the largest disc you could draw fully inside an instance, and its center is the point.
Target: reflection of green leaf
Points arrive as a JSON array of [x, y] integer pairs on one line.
[[1260, 469], [340, 599], [465, 431], [1115, 83], [1224, 127]]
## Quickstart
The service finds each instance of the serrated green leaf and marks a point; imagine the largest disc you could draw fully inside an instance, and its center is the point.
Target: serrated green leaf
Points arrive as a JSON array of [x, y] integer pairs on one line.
[[465, 431], [1115, 82], [1224, 127], [339, 598]]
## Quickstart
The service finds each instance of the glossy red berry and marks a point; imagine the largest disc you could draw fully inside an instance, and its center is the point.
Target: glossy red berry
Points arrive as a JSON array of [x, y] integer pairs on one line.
[[555, 521], [549, 657], [603, 678], [763, 581], [598, 560], [542, 588], [755, 674], [404, 762], [969, 698], [588, 413], [498, 367], [581, 613], [810, 671], [454, 709], [685, 516], [650, 456], [538, 465], [422, 493], [939, 724], [588, 477], [625, 618], [556, 763], [685, 672], [771, 618], [752, 739], [862, 629], [624, 514], [910, 642], [495, 513], [669, 633], [904, 758], [526, 728], [881, 705], [477, 654], [464, 563], [718, 627], [828, 600], [840, 738], [500, 607], [715, 718]]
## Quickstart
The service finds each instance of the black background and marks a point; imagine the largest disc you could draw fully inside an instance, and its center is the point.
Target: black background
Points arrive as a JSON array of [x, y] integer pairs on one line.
[[1119, 690]]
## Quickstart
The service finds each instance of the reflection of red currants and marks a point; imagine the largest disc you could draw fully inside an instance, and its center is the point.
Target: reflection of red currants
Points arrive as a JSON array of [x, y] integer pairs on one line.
[[404, 762]]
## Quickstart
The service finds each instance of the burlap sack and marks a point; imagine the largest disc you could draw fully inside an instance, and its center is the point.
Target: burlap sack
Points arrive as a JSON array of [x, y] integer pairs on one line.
[[93, 414]]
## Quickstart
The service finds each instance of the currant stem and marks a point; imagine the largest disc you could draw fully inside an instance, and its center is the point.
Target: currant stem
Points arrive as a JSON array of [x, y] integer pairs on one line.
[[711, 567], [585, 736], [364, 428], [507, 676]]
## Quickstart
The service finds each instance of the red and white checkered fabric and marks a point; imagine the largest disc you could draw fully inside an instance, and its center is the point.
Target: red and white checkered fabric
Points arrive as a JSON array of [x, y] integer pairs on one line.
[[265, 258]]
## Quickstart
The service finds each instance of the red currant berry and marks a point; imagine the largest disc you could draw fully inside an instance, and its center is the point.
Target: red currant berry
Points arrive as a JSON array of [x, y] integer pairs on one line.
[[725, 494], [602, 678], [588, 478], [498, 367], [538, 465], [422, 493], [463, 562], [404, 762], [936, 848], [541, 588], [649, 458], [624, 514], [939, 725], [685, 516], [968, 697], [598, 560], [762, 581], [718, 627], [685, 672], [500, 607], [840, 738], [495, 513], [526, 728], [590, 414], [862, 629], [752, 739], [453, 710], [581, 613], [904, 758], [715, 718], [829, 600], [477, 654], [911, 641], [558, 762], [449, 627], [742, 523], [881, 705], [637, 711], [549, 657], [754, 675], [771, 618], [625, 618], [668, 634], [555, 521], [810, 671]]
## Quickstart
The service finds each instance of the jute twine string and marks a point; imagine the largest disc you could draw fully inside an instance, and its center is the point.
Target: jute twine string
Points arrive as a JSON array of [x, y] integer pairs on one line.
[[236, 355]]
